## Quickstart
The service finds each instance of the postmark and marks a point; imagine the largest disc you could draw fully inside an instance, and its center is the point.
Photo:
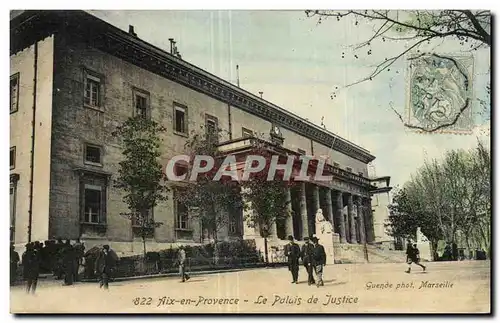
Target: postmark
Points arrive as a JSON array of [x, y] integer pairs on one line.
[[440, 93]]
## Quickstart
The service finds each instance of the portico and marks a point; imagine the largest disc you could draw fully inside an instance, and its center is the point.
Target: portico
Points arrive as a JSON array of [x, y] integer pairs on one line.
[[344, 200]]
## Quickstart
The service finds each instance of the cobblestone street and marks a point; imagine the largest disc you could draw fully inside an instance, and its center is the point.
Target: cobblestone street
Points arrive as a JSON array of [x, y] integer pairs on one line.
[[460, 287]]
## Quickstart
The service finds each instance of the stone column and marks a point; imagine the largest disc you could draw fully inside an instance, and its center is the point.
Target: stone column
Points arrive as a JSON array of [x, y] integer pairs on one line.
[[273, 231], [248, 231], [303, 211], [340, 216], [351, 214], [328, 207], [370, 233], [289, 218], [361, 222], [316, 205]]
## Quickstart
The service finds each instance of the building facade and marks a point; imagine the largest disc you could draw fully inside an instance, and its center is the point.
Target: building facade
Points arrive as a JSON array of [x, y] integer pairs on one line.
[[75, 78]]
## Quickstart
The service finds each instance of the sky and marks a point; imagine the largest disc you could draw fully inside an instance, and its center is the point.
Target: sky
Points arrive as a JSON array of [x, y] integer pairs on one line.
[[298, 64]]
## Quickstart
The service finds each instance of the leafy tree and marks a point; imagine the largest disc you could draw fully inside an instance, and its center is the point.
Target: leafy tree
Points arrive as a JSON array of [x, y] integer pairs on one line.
[[209, 200], [415, 28], [213, 199], [140, 174], [408, 212], [447, 199], [267, 194]]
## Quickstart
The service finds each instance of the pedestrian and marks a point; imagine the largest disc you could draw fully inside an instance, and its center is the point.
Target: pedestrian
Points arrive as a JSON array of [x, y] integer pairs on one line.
[[318, 260], [181, 259], [68, 258], [306, 253], [104, 265], [14, 261], [413, 257], [79, 254], [58, 262], [31, 267], [292, 252], [454, 251], [409, 245]]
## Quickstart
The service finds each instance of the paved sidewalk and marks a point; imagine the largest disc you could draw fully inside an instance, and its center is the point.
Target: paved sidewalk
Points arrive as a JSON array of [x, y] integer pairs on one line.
[[459, 287]]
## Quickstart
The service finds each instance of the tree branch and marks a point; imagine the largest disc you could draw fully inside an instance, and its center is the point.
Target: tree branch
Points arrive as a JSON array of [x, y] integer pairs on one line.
[[382, 66], [485, 36]]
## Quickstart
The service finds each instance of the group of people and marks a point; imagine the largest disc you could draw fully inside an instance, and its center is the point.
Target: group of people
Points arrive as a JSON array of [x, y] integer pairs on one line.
[[313, 258], [63, 259]]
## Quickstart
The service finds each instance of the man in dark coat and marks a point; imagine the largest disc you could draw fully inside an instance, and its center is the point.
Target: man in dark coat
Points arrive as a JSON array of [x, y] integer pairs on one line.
[[105, 264], [318, 260], [14, 261], [58, 259], [413, 255], [292, 252], [306, 254], [79, 254], [31, 267], [68, 258], [409, 246]]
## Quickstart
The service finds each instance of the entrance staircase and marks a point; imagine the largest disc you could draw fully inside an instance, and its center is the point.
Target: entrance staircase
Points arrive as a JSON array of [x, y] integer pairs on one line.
[[357, 253]]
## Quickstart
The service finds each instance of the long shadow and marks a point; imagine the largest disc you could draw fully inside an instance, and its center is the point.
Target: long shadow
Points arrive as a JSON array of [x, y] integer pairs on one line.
[[326, 282], [195, 280], [332, 283]]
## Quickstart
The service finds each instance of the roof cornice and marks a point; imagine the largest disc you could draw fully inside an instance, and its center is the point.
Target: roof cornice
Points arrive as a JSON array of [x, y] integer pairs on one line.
[[119, 43]]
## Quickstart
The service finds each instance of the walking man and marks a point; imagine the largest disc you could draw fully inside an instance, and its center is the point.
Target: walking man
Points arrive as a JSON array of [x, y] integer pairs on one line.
[[104, 265], [68, 257], [413, 255], [306, 254], [31, 267], [181, 259], [79, 254], [318, 260], [292, 252]]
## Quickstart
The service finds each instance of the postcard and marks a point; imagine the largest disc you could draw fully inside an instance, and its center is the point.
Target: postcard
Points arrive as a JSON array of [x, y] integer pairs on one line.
[[239, 161]]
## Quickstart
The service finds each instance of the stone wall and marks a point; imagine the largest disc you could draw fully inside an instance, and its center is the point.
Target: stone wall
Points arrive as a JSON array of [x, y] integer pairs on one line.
[[23, 64], [74, 125]]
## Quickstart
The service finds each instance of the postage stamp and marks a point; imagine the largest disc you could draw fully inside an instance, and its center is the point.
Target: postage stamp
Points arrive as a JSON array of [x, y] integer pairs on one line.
[[197, 162], [440, 93]]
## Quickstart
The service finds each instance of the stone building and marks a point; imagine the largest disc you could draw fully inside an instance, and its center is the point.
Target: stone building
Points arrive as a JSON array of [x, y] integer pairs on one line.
[[74, 78]]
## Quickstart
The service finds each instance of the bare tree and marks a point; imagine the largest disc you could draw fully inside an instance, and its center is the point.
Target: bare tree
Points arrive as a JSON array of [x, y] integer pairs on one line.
[[471, 28]]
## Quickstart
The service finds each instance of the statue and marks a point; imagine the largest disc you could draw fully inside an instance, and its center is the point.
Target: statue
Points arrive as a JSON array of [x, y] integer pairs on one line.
[[324, 226]]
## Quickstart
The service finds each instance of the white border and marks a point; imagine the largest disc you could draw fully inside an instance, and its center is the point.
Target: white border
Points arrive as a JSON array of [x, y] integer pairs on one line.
[[187, 4]]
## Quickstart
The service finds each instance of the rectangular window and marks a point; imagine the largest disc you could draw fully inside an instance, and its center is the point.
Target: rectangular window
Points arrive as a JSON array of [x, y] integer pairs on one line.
[[301, 151], [12, 157], [93, 200], [93, 154], [182, 216], [92, 93], [180, 119], [246, 133], [93, 203], [211, 127], [141, 103], [14, 92]]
